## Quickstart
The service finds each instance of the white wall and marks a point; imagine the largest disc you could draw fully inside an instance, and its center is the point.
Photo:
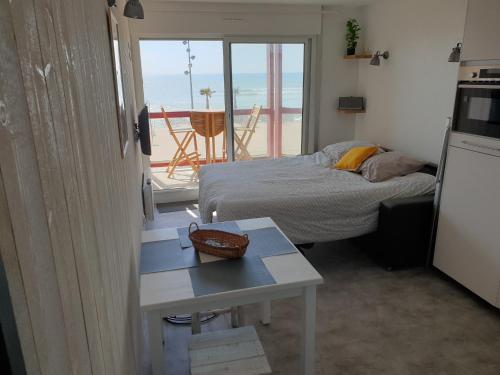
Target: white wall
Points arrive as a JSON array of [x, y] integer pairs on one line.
[[410, 94], [172, 19], [338, 77]]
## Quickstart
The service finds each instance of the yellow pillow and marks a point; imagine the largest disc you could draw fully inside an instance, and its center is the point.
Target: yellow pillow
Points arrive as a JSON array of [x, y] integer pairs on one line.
[[353, 158]]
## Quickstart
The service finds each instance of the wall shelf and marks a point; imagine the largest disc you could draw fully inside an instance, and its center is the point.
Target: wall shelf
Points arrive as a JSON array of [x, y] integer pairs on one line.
[[358, 57], [351, 111]]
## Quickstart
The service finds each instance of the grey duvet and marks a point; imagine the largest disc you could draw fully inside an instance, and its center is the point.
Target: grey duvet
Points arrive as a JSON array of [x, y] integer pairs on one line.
[[307, 199]]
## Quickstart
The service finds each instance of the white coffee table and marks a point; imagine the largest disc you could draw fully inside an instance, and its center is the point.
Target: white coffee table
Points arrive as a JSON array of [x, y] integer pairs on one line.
[[171, 292]]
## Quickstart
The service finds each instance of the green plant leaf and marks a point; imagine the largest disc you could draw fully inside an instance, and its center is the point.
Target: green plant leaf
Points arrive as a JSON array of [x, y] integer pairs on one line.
[[352, 32]]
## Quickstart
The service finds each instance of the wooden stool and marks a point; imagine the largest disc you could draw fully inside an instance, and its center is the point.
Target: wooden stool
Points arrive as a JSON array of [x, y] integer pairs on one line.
[[232, 351]]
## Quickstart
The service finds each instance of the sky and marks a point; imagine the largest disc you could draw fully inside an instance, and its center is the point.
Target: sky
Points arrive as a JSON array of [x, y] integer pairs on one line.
[[170, 57]]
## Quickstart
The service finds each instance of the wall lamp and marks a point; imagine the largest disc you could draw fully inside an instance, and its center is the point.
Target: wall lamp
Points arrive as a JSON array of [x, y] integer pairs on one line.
[[376, 58], [455, 53], [133, 9]]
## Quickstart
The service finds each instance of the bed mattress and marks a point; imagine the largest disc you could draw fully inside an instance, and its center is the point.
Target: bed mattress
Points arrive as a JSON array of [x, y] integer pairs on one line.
[[307, 199]]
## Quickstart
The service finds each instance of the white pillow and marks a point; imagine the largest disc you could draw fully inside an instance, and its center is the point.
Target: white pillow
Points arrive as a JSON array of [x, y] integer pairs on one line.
[[335, 151]]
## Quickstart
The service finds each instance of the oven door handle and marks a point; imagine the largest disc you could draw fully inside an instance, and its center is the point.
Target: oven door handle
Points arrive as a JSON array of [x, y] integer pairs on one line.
[[491, 87], [478, 145]]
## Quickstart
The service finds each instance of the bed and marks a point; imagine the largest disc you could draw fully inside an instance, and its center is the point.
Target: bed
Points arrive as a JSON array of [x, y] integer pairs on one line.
[[308, 200]]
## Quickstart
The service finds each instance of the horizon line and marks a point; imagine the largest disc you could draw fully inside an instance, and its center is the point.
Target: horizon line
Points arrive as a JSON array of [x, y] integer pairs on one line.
[[222, 73]]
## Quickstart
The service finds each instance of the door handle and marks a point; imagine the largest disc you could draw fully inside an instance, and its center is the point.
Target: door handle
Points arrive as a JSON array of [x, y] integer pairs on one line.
[[478, 145]]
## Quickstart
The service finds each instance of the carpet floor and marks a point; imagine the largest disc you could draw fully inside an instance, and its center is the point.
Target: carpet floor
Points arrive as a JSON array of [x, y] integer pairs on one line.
[[370, 321]]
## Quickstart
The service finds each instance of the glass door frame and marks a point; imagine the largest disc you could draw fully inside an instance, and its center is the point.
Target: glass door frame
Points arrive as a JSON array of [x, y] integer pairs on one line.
[[309, 106], [177, 194], [307, 87]]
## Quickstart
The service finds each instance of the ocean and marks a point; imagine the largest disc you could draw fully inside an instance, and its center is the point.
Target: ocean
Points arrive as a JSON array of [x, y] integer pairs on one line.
[[172, 91]]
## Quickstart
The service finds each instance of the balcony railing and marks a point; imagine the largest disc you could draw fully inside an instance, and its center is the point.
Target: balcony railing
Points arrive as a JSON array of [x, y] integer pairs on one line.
[[273, 119], [237, 112]]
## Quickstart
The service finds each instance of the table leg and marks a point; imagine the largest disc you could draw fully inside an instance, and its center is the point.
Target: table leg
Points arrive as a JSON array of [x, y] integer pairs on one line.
[[207, 149], [207, 138], [265, 312], [224, 144], [234, 317], [155, 332], [214, 154], [195, 323], [308, 334], [241, 316]]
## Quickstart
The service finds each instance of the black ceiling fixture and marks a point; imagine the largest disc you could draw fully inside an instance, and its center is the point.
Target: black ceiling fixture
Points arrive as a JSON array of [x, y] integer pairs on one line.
[[133, 9]]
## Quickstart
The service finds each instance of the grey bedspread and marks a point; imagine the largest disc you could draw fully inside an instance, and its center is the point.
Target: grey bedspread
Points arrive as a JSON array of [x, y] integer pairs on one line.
[[309, 201]]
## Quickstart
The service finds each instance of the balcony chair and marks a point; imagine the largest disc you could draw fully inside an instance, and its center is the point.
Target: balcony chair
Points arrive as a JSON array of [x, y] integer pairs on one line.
[[181, 154], [243, 135]]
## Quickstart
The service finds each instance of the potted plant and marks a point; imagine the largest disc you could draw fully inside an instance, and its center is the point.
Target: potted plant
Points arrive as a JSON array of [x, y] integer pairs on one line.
[[352, 35]]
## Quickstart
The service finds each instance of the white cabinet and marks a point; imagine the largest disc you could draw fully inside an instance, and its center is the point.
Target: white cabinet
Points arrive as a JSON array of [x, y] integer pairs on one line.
[[482, 31], [468, 237]]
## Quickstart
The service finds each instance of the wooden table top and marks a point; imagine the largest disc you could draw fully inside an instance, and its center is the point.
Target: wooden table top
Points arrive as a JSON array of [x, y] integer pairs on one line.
[[209, 125]]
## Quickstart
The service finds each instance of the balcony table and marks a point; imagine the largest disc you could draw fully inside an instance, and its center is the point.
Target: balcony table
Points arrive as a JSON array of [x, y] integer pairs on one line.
[[209, 130]]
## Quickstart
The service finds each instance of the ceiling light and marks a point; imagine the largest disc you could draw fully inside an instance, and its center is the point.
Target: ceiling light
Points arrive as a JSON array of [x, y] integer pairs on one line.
[[133, 9], [376, 58]]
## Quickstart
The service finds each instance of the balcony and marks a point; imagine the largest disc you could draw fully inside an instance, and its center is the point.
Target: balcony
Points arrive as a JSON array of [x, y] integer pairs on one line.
[[277, 133], [191, 76]]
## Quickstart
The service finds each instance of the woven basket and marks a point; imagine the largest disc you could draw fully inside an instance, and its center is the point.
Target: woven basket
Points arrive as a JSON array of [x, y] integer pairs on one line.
[[218, 243]]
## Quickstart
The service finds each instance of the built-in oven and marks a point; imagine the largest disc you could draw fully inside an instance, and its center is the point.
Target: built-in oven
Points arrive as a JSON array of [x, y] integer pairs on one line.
[[477, 105]]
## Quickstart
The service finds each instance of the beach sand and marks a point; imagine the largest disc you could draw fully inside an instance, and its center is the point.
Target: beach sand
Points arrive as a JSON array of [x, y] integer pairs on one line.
[[164, 147]]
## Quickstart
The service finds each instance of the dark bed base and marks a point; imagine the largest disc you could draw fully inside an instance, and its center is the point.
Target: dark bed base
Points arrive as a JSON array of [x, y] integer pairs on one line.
[[403, 233], [404, 230]]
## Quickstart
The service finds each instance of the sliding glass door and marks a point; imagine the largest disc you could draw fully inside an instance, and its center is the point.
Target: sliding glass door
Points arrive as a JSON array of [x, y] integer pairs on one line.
[[265, 90], [185, 78], [223, 100]]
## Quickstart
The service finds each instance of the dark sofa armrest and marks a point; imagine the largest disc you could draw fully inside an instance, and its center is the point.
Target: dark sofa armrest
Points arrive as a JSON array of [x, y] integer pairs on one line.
[[404, 229], [415, 202]]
